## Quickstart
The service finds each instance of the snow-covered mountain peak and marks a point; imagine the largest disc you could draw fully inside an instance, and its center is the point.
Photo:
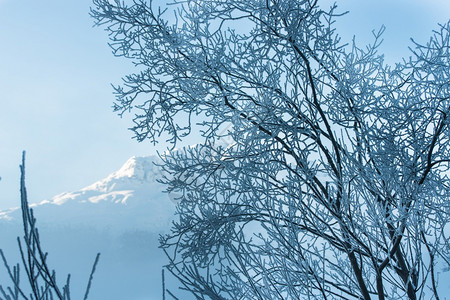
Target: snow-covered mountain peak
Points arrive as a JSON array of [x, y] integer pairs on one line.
[[136, 171], [128, 199], [139, 168]]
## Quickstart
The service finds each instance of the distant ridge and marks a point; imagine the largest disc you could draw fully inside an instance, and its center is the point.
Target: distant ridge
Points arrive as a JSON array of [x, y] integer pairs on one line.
[[128, 199]]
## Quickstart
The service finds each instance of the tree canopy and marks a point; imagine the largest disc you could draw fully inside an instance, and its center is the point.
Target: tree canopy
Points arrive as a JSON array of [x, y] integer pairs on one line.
[[323, 172]]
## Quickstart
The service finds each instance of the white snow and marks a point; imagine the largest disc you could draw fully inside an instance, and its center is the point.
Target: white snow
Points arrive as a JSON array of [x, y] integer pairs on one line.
[[128, 199]]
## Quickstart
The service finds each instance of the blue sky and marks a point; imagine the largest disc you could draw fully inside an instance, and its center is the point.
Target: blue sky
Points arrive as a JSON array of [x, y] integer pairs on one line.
[[55, 94]]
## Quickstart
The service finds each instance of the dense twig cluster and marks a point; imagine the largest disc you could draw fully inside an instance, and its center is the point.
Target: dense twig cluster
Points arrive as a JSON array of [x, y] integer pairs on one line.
[[336, 182]]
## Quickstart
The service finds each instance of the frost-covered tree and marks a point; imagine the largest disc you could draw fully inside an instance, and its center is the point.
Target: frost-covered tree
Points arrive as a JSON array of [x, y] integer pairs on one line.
[[334, 180]]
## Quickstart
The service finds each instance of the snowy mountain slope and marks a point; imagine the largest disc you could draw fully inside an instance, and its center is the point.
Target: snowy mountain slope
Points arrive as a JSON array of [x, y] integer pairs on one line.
[[120, 216], [128, 199]]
